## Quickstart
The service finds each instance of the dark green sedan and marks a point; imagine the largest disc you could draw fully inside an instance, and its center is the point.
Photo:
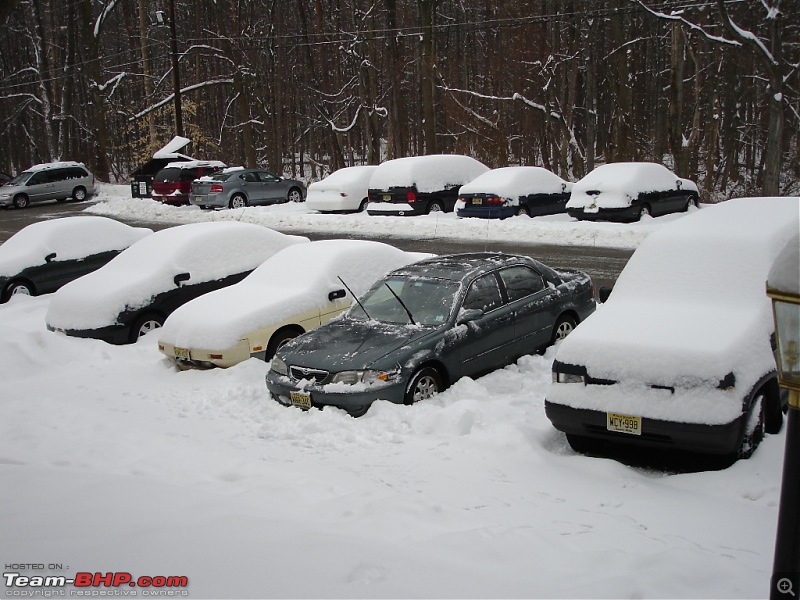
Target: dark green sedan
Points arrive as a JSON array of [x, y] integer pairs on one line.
[[425, 325]]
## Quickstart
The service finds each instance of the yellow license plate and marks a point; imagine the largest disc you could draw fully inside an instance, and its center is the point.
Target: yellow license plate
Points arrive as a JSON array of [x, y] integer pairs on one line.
[[477, 201], [182, 353], [387, 198], [624, 423], [300, 399], [198, 198]]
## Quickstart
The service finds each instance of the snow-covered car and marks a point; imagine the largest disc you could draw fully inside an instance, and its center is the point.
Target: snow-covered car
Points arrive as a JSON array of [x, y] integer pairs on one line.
[[136, 291], [508, 191], [48, 181], [681, 355], [173, 183], [237, 187], [345, 190], [427, 324], [628, 191], [418, 185], [295, 291], [44, 256]]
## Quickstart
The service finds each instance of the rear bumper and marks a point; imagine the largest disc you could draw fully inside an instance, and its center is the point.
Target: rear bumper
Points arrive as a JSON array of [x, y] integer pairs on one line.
[[209, 201], [692, 437], [174, 199], [500, 212]]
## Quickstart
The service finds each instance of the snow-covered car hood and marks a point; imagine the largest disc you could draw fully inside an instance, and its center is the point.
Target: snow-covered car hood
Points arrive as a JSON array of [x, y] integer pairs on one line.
[[351, 344], [207, 251], [68, 238], [293, 281]]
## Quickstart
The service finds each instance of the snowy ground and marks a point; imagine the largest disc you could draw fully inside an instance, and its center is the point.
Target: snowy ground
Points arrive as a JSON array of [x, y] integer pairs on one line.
[[111, 460]]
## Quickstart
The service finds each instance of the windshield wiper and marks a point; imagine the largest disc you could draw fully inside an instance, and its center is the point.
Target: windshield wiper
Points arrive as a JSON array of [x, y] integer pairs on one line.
[[354, 297], [403, 304]]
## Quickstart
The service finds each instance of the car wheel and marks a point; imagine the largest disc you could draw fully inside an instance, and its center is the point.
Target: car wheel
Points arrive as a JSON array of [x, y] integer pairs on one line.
[[17, 288], [754, 428], [295, 195], [363, 206], [523, 210], [279, 338], [435, 207], [238, 201], [145, 325], [21, 201], [424, 384], [79, 194], [644, 211], [562, 328]]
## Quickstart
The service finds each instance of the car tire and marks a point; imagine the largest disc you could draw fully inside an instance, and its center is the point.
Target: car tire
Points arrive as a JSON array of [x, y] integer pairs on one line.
[[524, 211], [238, 201], [279, 338], [754, 427], [295, 195], [363, 206], [563, 327], [644, 211], [424, 384], [79, 194], [435, 207], [145, 325], [21, 201], [15, 288]]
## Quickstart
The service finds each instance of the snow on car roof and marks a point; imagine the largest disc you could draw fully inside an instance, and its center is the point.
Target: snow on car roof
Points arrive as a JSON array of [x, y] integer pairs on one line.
[[630, 177], [54, 165], [345, 176], [428, 173], [295, 280], [691, 301], [68, 237], [207, 251], [512, 182]]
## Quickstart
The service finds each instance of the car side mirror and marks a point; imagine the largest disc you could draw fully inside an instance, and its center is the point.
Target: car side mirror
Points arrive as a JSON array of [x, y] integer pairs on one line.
[[50, 257], [604, 293], [470, 314], [336, 294], [180, 278]]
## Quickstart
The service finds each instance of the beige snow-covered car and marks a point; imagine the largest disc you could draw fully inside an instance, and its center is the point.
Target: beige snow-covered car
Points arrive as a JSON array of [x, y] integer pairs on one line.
[[296, 290]]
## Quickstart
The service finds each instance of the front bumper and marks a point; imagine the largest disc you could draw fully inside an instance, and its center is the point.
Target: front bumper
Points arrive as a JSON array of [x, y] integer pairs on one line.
[[623, 215], [394, 209], [719, 439], [113, 334], [356, 402]]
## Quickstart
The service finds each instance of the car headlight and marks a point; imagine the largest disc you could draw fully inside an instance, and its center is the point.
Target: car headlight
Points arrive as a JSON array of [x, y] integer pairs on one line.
[[279, 366], [559, 377], [367, 376]]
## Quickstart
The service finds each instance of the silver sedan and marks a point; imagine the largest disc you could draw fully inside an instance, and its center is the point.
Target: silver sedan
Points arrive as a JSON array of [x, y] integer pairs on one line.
[[238, 187]]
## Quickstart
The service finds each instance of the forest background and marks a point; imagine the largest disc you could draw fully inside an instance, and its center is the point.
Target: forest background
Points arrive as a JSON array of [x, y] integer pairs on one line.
[[303, 87]]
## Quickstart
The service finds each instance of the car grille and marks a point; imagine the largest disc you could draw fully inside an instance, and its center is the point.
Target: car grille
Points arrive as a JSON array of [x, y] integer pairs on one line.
[[317, 375]]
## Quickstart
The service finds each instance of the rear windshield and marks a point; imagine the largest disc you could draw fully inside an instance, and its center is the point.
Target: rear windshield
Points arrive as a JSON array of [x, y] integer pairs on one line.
[[168, 175]]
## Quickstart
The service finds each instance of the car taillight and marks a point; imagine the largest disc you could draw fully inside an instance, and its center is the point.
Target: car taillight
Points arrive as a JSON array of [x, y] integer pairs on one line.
[[493, 200], [411, 197], [216, 188]]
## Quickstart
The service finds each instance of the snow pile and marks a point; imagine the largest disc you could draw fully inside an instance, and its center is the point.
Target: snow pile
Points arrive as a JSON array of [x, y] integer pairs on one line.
[[614, 185], [513, 182], [207, 251], [689, 308], [68, 238], [427, 173], [293, 281], [471, 494]]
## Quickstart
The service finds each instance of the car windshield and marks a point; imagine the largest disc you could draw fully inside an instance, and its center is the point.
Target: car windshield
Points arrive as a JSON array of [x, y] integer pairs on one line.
[[21, 178], [430, 301]]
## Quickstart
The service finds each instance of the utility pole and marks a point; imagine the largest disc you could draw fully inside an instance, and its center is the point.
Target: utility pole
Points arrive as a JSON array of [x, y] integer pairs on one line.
[[176, 78]]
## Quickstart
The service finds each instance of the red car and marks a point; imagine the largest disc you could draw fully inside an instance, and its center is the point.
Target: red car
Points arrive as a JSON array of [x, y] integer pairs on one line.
[[173, 183]]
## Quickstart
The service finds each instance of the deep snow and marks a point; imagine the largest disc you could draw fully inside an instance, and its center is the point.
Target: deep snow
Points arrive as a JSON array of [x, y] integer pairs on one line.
[[111, 460]]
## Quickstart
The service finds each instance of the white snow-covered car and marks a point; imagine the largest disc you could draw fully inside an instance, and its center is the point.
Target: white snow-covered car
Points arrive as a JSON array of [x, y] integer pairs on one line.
[[136, 291], [682, 353], [345, 190], [295, 291], [509, 191], [43, 256], [418, 185], [628, 191]]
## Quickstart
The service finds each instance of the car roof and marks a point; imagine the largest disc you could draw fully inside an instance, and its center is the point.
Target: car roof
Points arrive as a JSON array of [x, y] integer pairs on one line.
[[54, 165], [457, 267]]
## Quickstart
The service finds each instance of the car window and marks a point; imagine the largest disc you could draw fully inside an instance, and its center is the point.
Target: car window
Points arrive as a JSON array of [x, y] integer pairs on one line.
[[520, 282], [267, 177], [484, 294], [250, 177], [189, 174], [39, 178]]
